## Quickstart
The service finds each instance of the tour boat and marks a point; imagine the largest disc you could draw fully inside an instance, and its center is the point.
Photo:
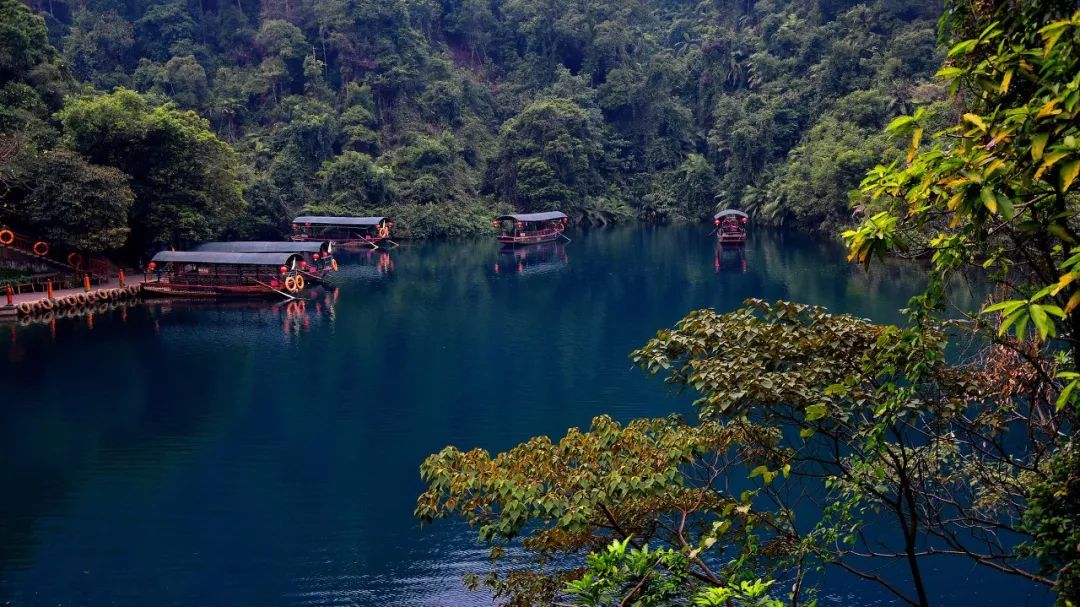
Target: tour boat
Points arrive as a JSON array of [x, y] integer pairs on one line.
[[731, 226], [317, 263], [343, 231], [531, 228], [218, 274]]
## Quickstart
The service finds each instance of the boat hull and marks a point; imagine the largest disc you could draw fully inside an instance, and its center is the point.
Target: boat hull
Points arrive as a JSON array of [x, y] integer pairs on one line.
[[525, 240], [164, 289], [347, 243]]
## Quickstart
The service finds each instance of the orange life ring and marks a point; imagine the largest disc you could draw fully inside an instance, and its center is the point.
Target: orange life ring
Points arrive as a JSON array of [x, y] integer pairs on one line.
[[75, 260], [299, 282], [7, 237], [333, 265], [290, 284], [41, 248]]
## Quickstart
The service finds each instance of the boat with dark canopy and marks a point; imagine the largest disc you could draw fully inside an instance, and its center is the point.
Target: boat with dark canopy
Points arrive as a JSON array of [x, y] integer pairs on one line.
[[345, 231], [531, 228], [223, 274], [731, 226], [317, 264]]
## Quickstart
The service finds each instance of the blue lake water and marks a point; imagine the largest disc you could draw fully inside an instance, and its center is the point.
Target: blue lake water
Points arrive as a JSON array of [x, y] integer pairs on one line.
[[257, 454]]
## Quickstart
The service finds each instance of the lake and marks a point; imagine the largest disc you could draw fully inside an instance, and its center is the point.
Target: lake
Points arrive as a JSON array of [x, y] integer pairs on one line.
[[259, 454]]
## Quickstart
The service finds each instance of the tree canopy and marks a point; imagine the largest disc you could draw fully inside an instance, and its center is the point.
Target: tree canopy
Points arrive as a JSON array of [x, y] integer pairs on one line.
[[610, 111]]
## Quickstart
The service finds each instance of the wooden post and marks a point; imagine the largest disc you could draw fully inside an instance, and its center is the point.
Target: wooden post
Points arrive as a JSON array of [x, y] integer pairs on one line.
[[48, 288], [86, 282], [121, 278]]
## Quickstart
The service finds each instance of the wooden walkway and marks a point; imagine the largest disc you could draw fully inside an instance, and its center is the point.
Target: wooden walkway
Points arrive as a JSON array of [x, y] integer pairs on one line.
[[57, 293], [62, 297]]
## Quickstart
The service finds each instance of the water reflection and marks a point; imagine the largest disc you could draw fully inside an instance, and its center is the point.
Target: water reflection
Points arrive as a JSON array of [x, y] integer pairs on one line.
[[729, 257], [532, 259], [233, 454]]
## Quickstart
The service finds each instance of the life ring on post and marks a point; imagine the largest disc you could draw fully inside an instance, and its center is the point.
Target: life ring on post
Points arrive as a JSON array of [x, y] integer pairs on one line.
[[75, 260], [7, 237], [41, 248], [299, 282], [290, 284]]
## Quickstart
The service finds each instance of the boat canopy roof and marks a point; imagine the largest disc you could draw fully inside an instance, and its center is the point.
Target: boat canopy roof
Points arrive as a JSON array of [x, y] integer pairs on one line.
[[321, 220], [266, 246], [728, 213], [225, 258], [550, 215]]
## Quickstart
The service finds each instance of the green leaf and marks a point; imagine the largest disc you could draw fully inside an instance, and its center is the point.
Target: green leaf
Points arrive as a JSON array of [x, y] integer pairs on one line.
[[1005, 207], [1069, 171], [816, 412], [1066, 394], [988, 199], [976, 120], [1038, 144], [962, 47], [899, 123]]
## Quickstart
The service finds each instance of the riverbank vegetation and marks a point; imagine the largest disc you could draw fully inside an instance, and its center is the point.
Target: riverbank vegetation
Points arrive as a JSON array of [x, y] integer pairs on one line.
[[952, 437], [441, 113]]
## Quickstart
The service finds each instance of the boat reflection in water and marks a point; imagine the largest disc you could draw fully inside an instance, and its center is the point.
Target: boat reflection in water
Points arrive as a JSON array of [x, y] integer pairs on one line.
[[315, 307], [728, 258], [369, 263], [533, 259]]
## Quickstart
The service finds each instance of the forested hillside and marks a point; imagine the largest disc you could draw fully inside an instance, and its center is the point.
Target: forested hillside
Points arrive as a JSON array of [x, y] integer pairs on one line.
[[139, 123]]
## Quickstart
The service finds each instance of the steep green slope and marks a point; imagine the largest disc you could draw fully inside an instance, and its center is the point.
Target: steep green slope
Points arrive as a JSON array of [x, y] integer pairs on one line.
[[438, 112]]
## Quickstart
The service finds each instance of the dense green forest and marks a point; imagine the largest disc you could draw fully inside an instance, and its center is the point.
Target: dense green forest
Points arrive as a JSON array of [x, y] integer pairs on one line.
[[137, 124]]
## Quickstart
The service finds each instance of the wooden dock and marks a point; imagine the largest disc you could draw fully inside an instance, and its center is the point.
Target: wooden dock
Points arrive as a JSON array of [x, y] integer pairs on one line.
[[68, 302]]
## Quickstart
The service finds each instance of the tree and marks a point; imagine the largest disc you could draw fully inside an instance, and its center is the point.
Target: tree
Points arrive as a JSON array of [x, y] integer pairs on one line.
[[551, 155], [97, 47], [998, 191], [833, 415], [353, 182], [652, 482], [78, 205], [185, 81], [184, 177]]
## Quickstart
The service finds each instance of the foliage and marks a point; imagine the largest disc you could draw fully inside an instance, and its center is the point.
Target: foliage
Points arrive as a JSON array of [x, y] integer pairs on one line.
[[621, 575], [78, 205], [551, 155], [1053, 520], [609, 111], [996, 190], [865, 430], [183, 176], [656, 482]]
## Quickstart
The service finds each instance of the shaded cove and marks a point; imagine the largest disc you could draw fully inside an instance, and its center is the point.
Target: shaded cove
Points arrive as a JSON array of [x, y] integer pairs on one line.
[[244, 453]]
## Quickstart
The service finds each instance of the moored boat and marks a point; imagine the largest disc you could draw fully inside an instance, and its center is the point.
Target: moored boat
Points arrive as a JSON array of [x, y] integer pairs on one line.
[[317, 263], [731, 226], [344, 231], [220, 274], [530, 228]]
